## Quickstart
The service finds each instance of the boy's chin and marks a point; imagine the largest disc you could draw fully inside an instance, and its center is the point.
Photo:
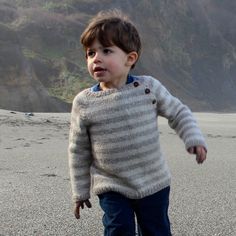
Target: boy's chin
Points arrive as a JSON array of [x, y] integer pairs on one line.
[[100, 79]]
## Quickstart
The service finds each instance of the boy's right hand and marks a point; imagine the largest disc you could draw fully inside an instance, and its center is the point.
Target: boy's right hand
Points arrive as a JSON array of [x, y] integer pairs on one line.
[[79, 204]]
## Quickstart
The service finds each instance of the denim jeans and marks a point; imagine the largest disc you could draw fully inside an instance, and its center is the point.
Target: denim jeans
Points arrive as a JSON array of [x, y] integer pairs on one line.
[[151, 213]]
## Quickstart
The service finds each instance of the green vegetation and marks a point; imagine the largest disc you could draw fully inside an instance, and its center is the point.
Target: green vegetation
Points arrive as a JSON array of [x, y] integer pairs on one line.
[[29, 53], [68, 85], [58, 6], [52, 53]]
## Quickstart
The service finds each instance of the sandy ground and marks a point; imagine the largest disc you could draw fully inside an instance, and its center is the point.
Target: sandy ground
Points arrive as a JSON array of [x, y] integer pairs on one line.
[[35, 190]]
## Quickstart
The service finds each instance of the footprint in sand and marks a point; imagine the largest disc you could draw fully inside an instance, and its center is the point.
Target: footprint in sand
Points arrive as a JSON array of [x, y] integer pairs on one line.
[[19, 139], [43, 138], [9, 148], [21, 172], [49, 175], [27, 145], [220, 136]]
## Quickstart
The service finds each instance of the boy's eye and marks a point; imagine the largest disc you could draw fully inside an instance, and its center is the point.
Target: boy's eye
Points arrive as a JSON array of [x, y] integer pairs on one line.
[[90, 53], [107, 51]]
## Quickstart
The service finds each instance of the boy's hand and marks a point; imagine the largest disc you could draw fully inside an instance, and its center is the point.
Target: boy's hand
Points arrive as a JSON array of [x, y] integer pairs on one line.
[[81, 204], [200, 152]]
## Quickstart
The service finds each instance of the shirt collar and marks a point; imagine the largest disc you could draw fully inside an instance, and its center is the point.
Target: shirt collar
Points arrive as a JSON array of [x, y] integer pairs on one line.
[[96, 87]]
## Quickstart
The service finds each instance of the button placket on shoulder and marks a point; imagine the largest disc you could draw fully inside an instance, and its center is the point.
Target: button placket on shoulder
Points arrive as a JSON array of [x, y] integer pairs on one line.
[[148, 91]]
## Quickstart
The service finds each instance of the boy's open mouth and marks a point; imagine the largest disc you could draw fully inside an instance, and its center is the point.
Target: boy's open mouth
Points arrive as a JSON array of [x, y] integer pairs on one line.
[[99, 69]]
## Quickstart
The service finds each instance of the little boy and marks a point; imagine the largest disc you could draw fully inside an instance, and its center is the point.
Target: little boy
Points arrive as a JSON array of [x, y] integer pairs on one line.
[[114, 145]]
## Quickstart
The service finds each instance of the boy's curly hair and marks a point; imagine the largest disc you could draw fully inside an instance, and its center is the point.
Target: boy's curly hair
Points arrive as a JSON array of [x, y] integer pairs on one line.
[[112, 28]]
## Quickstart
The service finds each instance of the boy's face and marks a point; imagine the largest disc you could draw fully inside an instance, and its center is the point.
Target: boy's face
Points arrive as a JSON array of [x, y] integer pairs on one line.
[[109, 65]]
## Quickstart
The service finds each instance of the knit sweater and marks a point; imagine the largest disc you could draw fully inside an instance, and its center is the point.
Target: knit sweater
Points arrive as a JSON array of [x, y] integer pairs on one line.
[[114, 139]]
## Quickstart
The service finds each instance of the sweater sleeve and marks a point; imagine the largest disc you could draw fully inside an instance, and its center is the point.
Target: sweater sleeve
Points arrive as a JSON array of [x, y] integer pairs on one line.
[[79, 154], [179, 116]]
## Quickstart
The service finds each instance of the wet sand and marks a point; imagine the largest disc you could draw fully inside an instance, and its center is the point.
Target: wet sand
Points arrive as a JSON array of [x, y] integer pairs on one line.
[[35, 190]]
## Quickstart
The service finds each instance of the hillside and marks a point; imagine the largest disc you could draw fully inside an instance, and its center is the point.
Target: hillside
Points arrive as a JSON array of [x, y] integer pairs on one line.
[[190, 46]]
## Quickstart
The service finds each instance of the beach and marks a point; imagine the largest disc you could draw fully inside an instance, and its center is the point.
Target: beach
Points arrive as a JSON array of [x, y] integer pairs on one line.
[[35, 197]]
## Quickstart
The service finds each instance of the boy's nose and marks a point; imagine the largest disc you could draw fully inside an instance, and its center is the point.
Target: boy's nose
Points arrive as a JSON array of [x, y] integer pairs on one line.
[[97, 58]]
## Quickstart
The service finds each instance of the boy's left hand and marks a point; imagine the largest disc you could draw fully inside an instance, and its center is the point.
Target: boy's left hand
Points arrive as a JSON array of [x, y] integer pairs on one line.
[[200, 152]]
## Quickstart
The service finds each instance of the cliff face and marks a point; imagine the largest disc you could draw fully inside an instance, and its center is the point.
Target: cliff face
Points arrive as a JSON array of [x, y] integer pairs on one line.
[[190, 52], [20, 88], [188, 45]]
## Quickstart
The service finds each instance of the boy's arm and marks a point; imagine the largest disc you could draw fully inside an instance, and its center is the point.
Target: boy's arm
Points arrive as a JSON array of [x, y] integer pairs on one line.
[[181, 119], [79, 155]]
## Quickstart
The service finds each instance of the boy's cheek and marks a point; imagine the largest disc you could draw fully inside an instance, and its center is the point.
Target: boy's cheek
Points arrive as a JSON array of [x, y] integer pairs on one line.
[[89, 68]]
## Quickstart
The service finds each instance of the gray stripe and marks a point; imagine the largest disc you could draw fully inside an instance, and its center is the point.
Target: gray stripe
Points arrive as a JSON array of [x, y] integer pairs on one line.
[[152, 165], [126, 114], [129, 165], [131, 156], [82, 150], [100, 129], [119, 105], [177, 125], [124, 135], [77, 166], [81, 176], [130, 146], [125, 145], [83, 141], [185, 121], [82, 186], [186, 128]]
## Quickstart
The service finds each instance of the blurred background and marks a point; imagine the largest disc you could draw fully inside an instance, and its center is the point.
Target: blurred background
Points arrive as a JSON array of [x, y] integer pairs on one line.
[[189, 45]]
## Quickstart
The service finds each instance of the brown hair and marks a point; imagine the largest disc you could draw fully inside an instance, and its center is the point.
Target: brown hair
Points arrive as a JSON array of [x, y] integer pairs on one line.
[[112, 28]]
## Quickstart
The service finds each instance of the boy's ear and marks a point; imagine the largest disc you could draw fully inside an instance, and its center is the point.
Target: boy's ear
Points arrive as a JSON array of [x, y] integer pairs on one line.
[[132, 57]]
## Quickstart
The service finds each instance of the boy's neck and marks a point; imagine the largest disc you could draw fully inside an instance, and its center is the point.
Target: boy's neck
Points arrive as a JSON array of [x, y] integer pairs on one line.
[[116, 84], [97, 87]]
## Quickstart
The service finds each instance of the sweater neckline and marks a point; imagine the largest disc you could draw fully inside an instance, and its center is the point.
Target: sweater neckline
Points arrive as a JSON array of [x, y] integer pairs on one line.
[[100, 93], [97, 87]]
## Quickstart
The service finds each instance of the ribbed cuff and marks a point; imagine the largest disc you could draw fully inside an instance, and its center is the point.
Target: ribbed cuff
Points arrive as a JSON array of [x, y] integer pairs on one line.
[[82, 197], [194, 143]]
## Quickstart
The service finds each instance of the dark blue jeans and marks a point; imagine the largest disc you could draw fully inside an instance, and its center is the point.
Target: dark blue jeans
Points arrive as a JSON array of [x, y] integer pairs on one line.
[[151, 213]]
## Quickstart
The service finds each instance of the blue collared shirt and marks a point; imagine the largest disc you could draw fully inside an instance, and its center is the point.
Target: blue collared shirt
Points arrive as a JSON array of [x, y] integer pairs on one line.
[[96, 87]]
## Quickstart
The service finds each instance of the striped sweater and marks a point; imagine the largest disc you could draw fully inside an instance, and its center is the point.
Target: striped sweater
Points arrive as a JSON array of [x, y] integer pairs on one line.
[[114, 139]]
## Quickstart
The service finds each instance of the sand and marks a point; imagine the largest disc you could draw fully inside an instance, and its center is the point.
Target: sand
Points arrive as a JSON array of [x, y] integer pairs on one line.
[[35, 190]]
